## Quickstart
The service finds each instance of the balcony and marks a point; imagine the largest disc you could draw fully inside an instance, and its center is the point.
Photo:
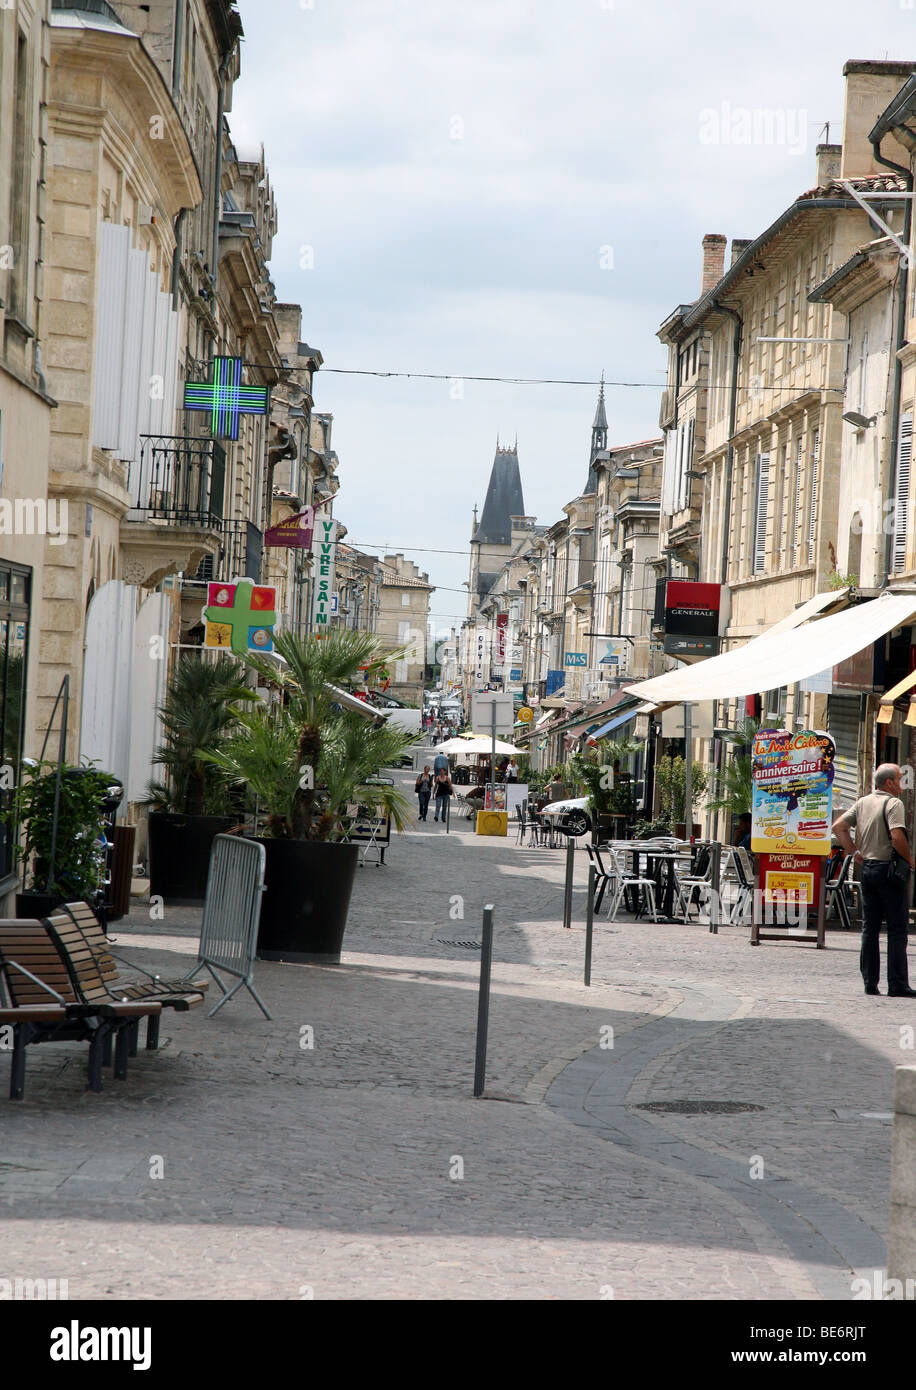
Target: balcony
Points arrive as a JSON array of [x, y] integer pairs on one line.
[[239, 555], [176, 520]]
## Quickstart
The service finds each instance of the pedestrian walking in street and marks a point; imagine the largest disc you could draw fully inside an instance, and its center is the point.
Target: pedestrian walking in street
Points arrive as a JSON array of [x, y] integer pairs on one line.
[[882, 848], [424, 788], [441, 763], [556, 791], [443, 788]]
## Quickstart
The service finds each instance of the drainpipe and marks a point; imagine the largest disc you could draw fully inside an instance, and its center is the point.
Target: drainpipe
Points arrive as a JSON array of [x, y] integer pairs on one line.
[[176, 48], [727, 503], [218, 171], [176, 255], [732, 420], [901, 339]]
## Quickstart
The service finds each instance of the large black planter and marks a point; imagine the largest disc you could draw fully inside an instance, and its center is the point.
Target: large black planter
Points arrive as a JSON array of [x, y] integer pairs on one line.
[[179, 854], [304, 910], [31, 905]]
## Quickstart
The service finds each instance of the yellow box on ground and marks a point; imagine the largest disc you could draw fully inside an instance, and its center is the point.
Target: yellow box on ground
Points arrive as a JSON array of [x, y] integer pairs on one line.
[[492, 822]]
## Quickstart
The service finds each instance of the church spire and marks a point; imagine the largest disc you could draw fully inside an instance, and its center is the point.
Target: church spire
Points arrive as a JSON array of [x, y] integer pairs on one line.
[[599, 440]]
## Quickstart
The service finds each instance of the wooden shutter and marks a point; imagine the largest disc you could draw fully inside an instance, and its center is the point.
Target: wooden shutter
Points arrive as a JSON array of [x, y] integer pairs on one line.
[[812, 508], [902, 491], [760, 513], [795, 535]]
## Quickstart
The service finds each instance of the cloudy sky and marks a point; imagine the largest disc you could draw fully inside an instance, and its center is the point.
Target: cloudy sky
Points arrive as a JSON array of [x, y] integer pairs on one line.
[[519, 188]]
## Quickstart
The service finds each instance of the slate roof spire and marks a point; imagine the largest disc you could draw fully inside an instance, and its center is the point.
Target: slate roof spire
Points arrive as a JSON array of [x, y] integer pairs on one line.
[[599, 441], [504, 498]]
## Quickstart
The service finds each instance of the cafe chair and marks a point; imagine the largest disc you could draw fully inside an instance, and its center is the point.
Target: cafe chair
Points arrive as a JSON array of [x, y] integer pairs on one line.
[[623, 880], [744, 872]]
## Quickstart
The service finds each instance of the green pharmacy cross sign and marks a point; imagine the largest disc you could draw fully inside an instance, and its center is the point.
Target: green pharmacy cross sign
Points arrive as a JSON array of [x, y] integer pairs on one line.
[[224, 398]]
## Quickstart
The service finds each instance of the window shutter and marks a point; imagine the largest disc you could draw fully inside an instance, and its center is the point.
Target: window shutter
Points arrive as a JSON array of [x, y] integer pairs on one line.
[[812, 510], [797, 507], [902, 491], [691, 430], [760, 513]]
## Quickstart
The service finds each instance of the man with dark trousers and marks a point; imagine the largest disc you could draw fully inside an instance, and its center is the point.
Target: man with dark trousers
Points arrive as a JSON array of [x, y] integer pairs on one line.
[[880, 824]]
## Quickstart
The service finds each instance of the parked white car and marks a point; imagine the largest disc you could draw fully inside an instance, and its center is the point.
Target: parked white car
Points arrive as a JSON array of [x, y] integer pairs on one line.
[[570, 816]]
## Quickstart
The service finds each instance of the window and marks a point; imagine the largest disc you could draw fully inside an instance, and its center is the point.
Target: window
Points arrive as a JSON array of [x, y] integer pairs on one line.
[[15, 609], [405, 600]]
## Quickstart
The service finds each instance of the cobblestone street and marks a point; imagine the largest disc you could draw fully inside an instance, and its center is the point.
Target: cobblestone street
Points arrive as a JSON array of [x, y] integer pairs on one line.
[[363, 1168]]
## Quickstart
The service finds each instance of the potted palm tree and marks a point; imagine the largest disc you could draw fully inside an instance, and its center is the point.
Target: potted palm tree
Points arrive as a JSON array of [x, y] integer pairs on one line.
[[733, 787], [304, 760], [191, 804]]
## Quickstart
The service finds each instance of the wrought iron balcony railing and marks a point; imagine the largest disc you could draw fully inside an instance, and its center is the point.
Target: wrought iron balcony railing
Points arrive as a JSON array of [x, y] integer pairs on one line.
[[239, 557], [180, 480]]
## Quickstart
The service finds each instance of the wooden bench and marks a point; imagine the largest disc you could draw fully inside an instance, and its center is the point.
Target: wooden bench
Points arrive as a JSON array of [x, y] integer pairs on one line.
[[46, 1005], [171, 994], [86, 975]]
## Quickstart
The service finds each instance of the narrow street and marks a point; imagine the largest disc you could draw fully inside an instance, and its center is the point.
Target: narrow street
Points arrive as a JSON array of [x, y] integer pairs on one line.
[[729, 1138]]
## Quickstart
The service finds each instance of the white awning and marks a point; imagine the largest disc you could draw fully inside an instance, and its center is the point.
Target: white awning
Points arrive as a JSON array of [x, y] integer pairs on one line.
[[350, 702], [782, 657]]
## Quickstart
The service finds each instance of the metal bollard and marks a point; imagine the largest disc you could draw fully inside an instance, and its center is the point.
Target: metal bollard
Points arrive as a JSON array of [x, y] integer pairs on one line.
[[715, 883], [568, 891], [589, 924], [483, 1001]]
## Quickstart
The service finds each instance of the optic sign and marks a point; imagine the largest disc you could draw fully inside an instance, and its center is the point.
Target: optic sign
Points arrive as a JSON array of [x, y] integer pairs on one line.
[[225, 399], [240, 616], [793, 790], [502, 624], [325, 560], [481, 654], [294, 531]]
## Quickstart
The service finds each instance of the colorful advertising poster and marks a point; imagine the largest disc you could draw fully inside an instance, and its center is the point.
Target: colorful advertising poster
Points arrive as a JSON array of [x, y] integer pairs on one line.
[[791, 878], [792, 775], [495, 798], [240, 616]]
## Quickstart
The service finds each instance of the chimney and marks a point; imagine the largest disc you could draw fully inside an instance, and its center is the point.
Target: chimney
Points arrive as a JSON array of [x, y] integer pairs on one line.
[[829, 160], [713, 260], [739, 246], [870, 89]]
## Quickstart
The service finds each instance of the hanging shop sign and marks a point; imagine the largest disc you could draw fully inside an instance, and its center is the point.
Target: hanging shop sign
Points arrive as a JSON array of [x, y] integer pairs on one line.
[[480, 670], [224, 399], [325, 550], [240, 616], [692, 618], [295, 532], [502, 625]]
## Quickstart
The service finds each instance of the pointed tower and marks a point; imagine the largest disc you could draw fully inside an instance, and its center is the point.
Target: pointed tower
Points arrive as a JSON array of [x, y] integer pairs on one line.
[[599, 441], [491, 539], [504, 499]]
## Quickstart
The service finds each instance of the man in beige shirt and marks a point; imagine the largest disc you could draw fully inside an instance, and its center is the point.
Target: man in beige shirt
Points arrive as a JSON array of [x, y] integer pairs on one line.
[[880, 825]]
